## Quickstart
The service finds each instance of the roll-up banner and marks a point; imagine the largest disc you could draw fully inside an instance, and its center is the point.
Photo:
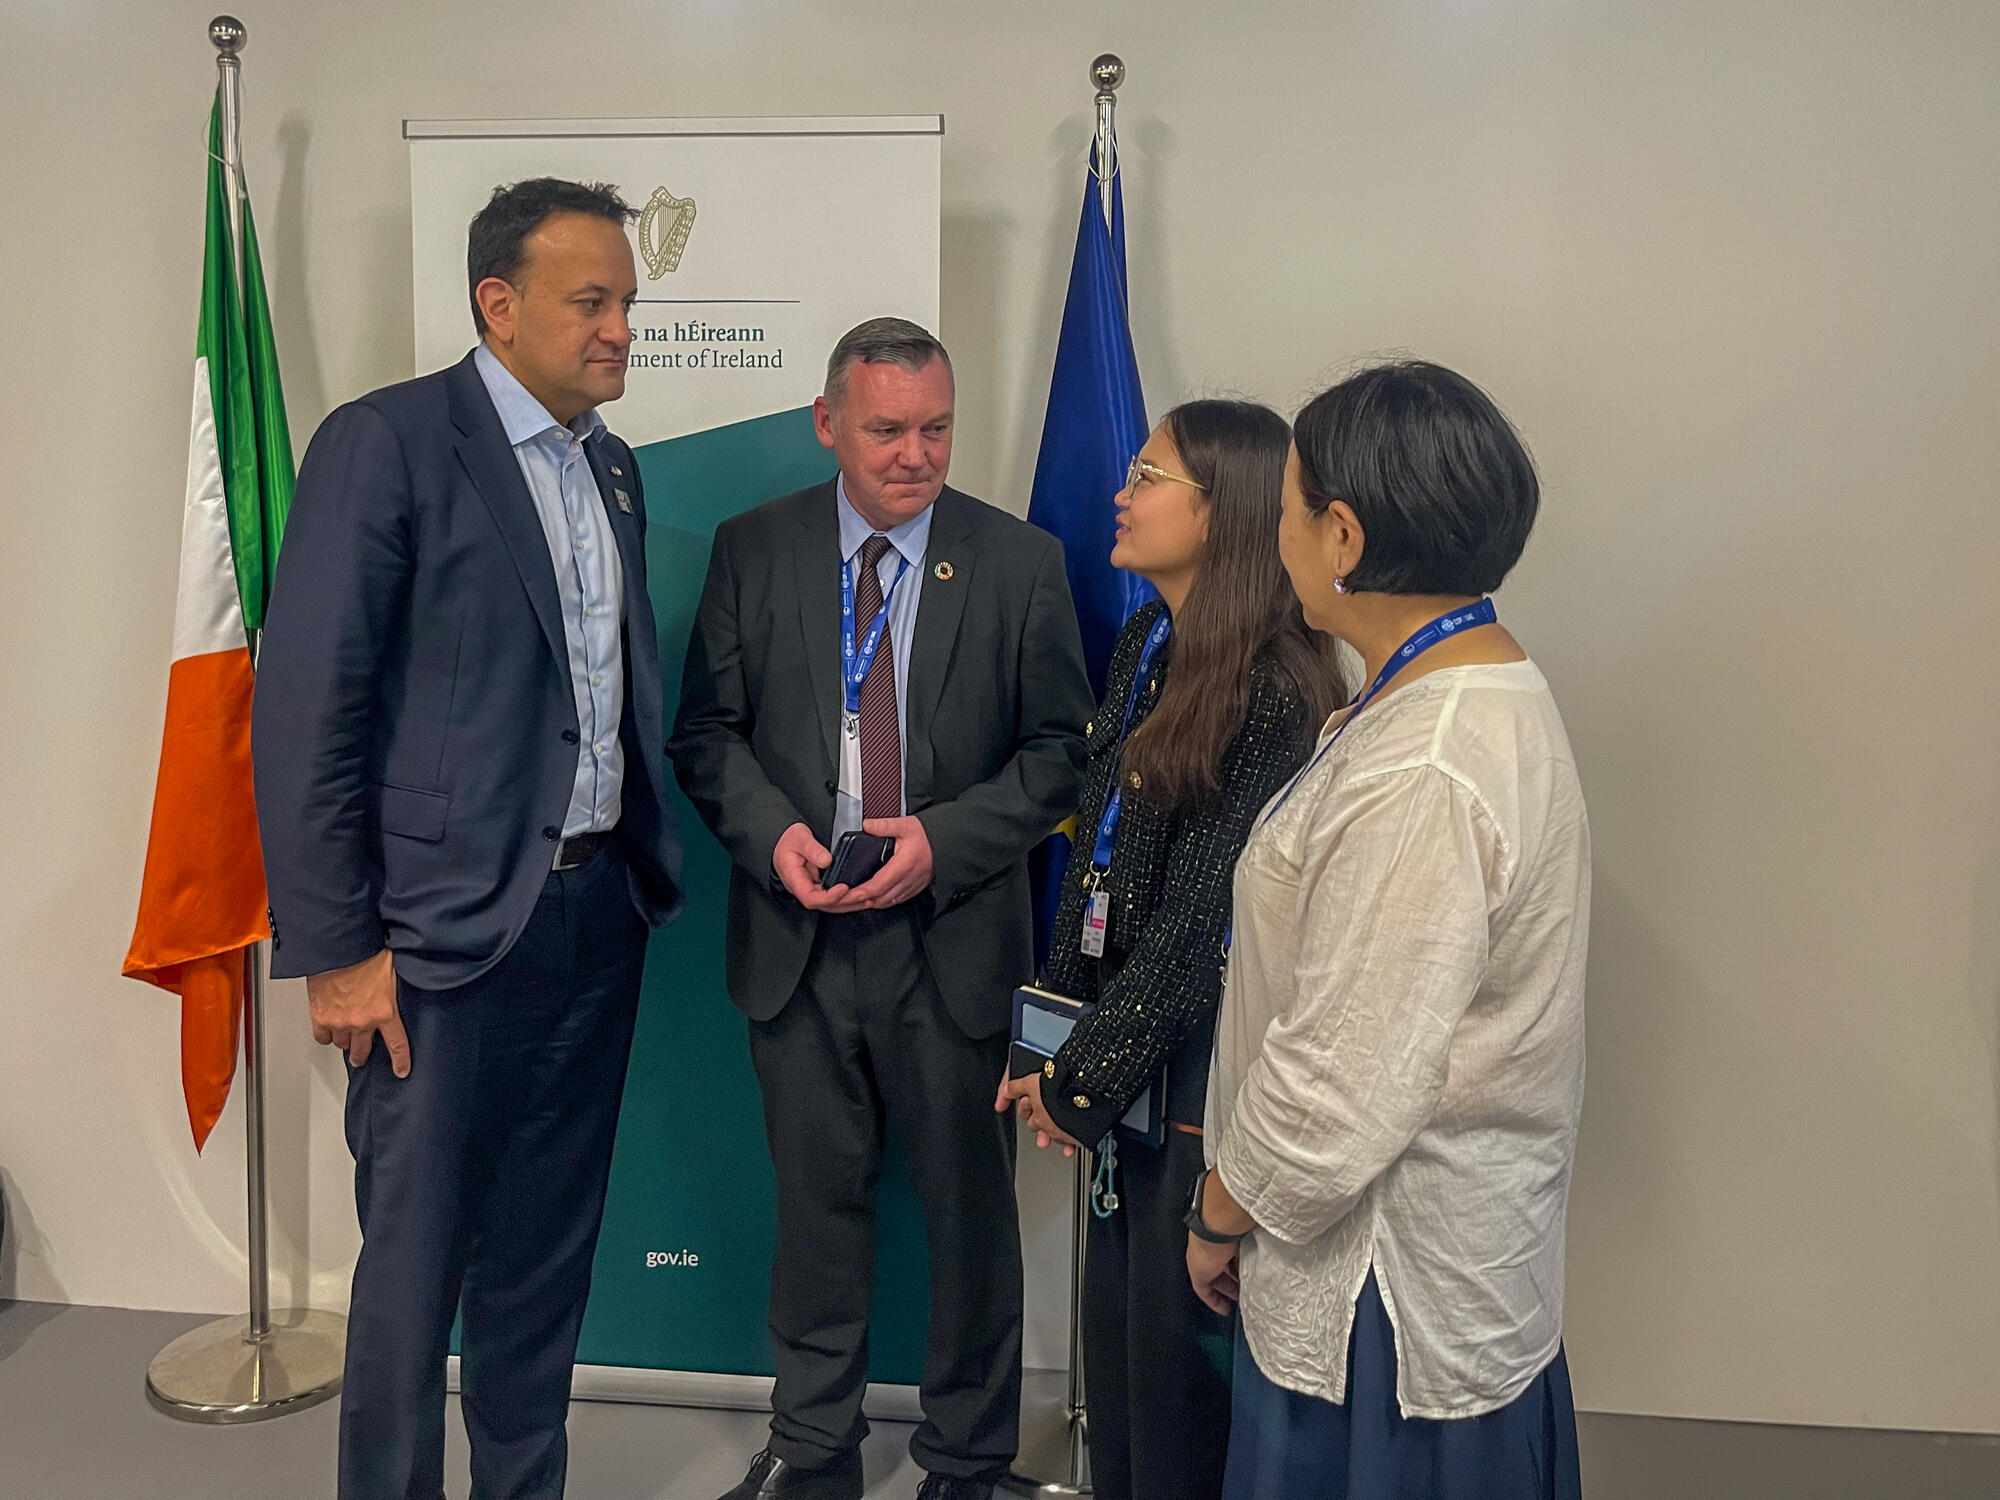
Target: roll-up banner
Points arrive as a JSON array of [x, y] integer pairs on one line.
[[759, 243]]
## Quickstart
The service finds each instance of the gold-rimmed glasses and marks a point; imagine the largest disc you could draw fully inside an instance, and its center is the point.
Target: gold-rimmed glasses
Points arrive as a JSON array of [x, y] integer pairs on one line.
[[1139, 468]]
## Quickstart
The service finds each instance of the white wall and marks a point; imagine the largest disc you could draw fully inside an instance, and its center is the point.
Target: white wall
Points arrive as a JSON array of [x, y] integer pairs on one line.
[[1729, 265]]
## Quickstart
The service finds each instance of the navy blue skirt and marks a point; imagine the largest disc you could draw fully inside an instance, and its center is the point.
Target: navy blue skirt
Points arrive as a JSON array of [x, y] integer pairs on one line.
[[1285, 1446]]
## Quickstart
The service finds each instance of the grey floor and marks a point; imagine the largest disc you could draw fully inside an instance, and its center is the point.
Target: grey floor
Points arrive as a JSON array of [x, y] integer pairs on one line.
[[75, 1425]]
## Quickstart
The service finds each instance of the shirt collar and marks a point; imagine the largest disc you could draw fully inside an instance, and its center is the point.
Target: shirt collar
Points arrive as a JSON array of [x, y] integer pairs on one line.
[[909, 539], [521, 416]]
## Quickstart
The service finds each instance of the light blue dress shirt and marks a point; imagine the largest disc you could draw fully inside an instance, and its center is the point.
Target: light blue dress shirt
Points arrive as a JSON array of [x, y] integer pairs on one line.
[[907, 544], [590, 583]]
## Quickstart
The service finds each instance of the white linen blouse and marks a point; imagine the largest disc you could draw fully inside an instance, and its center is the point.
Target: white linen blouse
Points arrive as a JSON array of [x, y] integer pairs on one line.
[[1398, 1064]]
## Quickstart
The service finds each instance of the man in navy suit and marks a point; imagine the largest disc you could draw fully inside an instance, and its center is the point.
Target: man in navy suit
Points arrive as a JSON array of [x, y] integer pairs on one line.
[[459, 755]]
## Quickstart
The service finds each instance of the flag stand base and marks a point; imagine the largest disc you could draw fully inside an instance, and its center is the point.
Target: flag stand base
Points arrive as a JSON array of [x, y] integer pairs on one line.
[[1070, 1454], [219, 1374], [1054, 1459]]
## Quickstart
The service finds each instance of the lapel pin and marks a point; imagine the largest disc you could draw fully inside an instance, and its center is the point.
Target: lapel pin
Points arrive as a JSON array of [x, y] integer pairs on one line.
[[942, 572], [618, 471], [624, 500]]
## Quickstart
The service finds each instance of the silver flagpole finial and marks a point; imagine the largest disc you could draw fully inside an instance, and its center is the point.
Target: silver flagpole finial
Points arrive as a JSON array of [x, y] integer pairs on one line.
[[229, 35], [1107, 71]]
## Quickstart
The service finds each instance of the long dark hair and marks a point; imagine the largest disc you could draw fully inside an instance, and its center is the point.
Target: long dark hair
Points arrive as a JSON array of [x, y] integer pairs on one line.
[[1241, 606]]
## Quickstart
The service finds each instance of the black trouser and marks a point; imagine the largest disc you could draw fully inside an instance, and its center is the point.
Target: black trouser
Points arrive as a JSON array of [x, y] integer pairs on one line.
[[866, 1041], [484, 1172], [1155, 1361]]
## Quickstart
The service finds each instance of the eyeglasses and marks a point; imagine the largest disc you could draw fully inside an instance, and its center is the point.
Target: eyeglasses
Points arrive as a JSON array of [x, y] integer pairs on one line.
[[1139, 467]]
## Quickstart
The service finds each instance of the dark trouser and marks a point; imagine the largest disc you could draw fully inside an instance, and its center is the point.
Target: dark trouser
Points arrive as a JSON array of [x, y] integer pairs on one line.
[[1155, 1361], [864, 1041], [484, 1171]]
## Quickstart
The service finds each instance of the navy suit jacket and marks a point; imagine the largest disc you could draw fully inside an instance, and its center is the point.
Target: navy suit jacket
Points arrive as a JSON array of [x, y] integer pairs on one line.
[[415, 733]]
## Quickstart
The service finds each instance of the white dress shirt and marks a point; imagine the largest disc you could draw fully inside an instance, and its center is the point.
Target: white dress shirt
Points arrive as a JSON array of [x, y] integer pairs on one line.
[[590, 584], [1399, 1054], [907, 545]]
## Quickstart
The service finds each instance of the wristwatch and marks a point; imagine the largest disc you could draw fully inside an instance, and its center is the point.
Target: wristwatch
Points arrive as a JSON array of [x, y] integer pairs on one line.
[[1192, 1218]]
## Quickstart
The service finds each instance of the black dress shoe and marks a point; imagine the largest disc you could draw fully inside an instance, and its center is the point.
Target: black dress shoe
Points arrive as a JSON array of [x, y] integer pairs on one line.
[[771, 1476], [944, 1487]]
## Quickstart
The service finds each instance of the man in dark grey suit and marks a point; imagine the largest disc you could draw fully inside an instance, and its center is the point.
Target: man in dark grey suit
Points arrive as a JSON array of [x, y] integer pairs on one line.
[[881, 654], [461, 785]]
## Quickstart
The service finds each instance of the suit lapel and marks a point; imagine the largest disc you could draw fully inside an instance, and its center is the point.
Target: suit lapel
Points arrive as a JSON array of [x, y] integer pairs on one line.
[[939, 610], [816, 586], [489, 458]]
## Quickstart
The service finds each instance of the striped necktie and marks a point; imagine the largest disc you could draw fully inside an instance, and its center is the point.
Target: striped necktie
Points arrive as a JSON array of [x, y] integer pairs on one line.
[[881, 733]]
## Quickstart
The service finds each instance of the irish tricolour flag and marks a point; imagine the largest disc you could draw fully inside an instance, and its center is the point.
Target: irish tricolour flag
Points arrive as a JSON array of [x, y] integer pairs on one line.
[[202, 904]]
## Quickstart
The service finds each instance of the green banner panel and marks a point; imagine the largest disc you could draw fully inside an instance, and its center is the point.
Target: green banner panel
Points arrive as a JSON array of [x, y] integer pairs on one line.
[[683, 1268]]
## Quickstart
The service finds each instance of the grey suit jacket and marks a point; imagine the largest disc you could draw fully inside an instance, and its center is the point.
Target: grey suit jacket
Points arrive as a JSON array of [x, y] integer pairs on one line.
[[992, 740]]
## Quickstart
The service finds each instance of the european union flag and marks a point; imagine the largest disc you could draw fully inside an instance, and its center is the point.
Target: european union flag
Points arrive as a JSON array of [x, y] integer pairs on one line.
[[1096, 422]]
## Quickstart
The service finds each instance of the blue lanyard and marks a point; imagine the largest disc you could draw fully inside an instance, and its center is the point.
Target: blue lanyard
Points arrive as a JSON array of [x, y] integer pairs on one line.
[[1114, 807], [1443, 628], [856, 660]]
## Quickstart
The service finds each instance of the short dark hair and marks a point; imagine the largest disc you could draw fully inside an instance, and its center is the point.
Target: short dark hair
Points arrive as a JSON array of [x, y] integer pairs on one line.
[[493, 246], [881, 341], [1443, 487]]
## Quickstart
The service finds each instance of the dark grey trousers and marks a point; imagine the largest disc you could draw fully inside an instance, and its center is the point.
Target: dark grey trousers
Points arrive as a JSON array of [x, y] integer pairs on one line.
[[866, 1042]]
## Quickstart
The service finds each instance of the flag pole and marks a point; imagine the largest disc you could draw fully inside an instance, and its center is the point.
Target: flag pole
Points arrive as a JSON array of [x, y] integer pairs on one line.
[[229, 34], [238, 1369], [1079, 1412], [1107, 71], [1066, 1453]]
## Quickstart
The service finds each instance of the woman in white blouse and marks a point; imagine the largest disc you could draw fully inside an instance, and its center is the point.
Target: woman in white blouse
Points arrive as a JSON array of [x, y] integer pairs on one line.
[[1398, 1062]]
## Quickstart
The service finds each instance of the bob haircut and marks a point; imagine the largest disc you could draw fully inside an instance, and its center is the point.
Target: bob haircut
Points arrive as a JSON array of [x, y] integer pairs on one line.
[[1442, 485]]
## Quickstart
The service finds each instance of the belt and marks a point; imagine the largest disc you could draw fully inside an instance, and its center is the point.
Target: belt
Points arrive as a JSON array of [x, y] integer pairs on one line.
[[579, 849]]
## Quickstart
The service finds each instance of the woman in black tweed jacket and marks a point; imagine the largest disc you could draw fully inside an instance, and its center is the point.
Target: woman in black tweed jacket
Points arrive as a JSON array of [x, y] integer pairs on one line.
[[1228, 710]]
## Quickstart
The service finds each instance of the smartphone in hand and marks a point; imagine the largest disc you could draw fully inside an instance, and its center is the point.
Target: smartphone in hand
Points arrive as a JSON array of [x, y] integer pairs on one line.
[[857, 858]]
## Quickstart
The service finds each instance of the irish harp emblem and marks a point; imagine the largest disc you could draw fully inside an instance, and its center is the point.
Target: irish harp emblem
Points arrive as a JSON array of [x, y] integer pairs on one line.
[[663, 232]]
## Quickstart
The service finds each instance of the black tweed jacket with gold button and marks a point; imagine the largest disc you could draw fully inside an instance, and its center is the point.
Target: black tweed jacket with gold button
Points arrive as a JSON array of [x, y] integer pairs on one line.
[[1157, 986]]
